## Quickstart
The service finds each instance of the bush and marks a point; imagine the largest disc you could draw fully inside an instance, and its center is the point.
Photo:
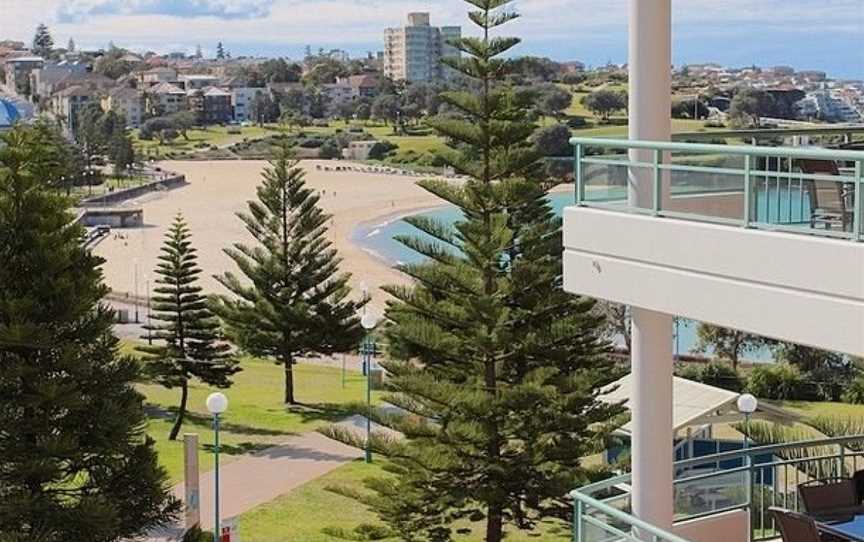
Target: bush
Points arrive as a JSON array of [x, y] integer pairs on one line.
[[779, 381], [381, 150], [577, 122], [718, 375], [330, 150], [311, 143], [854, 393]]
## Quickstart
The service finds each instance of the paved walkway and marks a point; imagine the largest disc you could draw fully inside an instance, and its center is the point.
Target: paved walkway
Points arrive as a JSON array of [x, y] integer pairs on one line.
[[261, 477]]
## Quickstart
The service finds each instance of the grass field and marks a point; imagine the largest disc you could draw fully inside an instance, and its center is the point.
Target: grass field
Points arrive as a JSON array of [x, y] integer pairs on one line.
[[198, 138], [811, 409], [307, 513], [256, 417]]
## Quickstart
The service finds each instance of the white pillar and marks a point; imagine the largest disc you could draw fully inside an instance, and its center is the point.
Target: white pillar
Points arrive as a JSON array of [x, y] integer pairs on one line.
[[651, 360]]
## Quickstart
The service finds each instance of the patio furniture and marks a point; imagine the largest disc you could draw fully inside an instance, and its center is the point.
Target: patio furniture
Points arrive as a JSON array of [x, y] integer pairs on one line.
[[858, 480], [843, 528], [830, 202], [795, 527], [828, 495]]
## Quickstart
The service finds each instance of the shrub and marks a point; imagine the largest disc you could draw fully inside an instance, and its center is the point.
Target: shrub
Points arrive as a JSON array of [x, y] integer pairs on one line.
[[381, 150], [854, 393], [577, 122], [330, 150], [779, 381], [718, 375]]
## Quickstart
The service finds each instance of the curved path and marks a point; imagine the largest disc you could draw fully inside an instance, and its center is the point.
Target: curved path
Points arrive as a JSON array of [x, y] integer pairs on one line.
[[261, 477]]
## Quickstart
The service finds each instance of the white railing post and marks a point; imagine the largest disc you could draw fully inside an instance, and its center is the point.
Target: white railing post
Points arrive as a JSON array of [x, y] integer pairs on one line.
[[658, 182], [856, 217], [579, 174], [748, 192]]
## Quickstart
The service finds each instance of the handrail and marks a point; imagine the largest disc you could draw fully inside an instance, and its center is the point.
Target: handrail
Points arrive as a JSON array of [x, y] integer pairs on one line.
[[737, 150], [728, 456], [635, 522], [585, 498]]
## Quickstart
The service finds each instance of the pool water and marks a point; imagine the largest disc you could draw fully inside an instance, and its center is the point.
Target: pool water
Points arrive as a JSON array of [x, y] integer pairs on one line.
[[379, 239]]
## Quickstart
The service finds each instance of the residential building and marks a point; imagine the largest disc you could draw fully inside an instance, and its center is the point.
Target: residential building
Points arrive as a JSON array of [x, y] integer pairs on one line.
[[127, 102], [164, 99], [44, 80], [211, 105], [198, 81], [154, 76], [242, 99], [414, 52], [68, 102], [18, 72], [707, 247], [362, 86]]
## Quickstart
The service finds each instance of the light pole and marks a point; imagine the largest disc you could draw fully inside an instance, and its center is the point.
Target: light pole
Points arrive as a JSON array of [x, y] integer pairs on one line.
[[149, 325], [747, 405], [135, 272], [217, 403], [369, 321]]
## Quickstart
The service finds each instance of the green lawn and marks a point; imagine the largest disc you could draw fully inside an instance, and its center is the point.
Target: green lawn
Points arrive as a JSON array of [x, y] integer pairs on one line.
[[812, 409], [256, 416], [307, 513], [198, 138]]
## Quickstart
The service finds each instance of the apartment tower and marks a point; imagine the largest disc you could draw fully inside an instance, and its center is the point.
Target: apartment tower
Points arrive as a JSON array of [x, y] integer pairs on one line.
[[413, 52]]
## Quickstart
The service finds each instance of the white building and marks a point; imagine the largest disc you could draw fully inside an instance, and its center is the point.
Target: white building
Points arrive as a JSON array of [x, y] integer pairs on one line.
[[198, 81], [128, 103], [241, 101], [717, 256], [414, 52], [18, 72]]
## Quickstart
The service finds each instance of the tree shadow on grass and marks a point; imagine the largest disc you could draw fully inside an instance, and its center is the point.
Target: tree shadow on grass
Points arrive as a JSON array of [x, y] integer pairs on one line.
[[202, 420], [241, 448], [323, 412]]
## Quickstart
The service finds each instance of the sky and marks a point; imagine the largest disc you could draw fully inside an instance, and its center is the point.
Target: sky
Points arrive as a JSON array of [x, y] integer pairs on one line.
[[808, 34]]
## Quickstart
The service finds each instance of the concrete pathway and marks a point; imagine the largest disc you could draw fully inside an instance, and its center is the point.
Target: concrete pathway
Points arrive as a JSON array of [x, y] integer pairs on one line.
[[261, 477]]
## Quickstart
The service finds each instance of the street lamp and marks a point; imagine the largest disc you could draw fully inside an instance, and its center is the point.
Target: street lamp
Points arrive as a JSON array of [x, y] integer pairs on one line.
[[747, 405], [369, 321], [217, 403]]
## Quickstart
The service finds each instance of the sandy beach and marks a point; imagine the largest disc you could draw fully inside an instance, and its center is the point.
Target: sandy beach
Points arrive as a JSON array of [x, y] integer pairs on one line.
[[219, 189]]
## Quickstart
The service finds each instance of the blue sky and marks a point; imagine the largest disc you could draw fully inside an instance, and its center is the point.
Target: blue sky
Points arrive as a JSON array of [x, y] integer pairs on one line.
[[816, 34]]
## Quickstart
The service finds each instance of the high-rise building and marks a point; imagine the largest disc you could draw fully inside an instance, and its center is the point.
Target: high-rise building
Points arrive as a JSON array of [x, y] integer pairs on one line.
[[414, 52]]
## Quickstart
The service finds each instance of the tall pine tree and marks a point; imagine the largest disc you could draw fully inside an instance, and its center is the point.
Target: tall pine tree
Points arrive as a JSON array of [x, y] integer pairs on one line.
[[75, 463], [293, 302], [43, 43], [186, 331], [485, 342]]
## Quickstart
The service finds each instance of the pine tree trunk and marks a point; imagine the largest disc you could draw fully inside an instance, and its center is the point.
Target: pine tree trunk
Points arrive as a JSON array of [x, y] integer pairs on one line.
[[494, 525], [181, 412], [289, 381]]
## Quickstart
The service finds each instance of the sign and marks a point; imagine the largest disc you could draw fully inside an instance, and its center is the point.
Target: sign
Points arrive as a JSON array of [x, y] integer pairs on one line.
[[229, 531]]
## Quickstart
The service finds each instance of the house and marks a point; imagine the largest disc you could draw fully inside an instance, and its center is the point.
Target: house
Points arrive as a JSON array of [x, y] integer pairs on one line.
[[164, 99], [211, 105], [44, 80], [127, 102], [198, 81], [362, 86], [154, 76], [66, 104], [18, 72]]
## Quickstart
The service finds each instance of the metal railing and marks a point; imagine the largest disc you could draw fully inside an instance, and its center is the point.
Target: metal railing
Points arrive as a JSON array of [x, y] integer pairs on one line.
[[768, 188], [749, 479]]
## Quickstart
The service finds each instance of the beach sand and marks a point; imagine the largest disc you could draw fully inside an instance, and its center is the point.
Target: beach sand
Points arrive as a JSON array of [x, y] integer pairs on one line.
[[219, 189]]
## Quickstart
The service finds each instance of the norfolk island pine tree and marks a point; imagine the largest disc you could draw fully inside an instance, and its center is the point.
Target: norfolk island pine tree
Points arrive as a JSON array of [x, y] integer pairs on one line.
[[500, 369], [292, 301], [75, 461], [187, 332]]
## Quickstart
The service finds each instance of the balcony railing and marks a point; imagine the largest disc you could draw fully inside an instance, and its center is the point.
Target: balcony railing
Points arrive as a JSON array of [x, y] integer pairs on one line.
[[800, 190], [749, 480]]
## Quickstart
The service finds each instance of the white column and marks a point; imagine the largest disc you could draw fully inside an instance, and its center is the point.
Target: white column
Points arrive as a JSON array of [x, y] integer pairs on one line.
[[651, 360]]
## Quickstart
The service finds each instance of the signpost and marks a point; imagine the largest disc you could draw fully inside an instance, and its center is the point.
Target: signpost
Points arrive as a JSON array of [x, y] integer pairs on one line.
[[191, 482]]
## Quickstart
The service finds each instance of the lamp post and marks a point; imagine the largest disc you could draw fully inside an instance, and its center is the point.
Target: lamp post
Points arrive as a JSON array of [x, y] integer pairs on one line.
[[747, 405], [135, 300], [217, 403], [149, 313], [369, 321]]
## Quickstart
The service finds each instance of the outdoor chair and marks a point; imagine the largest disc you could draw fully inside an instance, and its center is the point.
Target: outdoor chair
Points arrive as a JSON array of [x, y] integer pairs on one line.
[[795, 527], [830, 202], [828, 495], [858, 480]]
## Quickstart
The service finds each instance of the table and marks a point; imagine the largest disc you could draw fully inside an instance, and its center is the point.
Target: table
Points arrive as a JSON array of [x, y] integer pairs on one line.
[[845, 526]]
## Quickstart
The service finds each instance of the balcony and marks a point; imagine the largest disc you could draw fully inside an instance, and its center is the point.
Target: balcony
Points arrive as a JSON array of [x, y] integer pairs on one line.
[[720, 497], [773, 232]]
